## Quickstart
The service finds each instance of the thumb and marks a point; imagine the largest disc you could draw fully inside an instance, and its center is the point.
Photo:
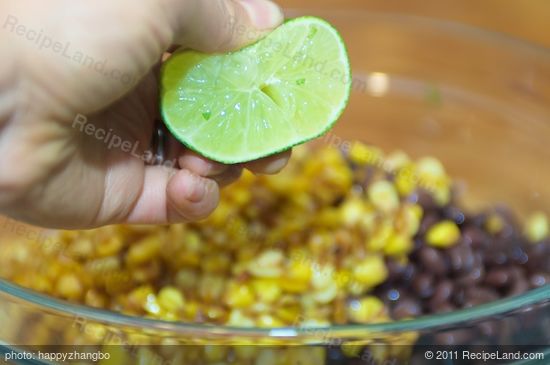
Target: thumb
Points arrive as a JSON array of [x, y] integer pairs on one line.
[[221, 25]]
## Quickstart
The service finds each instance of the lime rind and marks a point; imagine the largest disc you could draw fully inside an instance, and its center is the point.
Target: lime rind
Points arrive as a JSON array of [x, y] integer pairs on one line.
[[193, 110]]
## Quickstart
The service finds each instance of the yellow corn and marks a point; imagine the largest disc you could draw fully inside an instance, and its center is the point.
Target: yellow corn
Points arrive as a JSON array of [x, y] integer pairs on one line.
[[216, 263], [443, 235], [211, 287], [366, 310], [352, 211], [237, 318], [362, 154], [238, 295], [430, 169], [143, 251], [406, 180], [268, 321], [171, 299], [494, 224], [537, 227], [395, 161], [110, 246], [267, 265], [408, 219], [297, 277], [398, 245], [186, 279], [381, 236], [384, 196], [371, 271], [267, 290], [69, 286]]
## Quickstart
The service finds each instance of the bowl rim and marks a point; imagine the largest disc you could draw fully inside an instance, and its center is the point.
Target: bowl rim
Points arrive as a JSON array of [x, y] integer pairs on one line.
[[540, 296], [85, 314]]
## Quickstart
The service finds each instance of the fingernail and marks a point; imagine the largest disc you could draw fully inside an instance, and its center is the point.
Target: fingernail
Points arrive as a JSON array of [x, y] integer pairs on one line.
[[201, 166], [264, 14], [196, 189], [276, 166]]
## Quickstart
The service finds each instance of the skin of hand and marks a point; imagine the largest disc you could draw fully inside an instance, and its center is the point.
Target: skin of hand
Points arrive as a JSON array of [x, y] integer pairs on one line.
[[55, 174]]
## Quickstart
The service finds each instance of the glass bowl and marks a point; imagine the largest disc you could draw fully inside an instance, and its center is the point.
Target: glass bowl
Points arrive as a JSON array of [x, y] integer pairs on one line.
[[478, 101]]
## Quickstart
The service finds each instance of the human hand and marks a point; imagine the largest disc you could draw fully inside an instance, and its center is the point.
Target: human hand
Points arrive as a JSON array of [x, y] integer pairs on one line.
[[102, 62]]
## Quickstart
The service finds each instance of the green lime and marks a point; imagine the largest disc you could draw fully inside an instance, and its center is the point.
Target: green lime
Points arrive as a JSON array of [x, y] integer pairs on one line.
[[285, 89]]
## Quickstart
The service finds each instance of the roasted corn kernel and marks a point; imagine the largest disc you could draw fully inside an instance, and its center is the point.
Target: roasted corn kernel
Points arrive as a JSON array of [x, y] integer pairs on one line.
[[363, 154], [171, 299], [70, 287], [537, 227], [268, 264], [384, 196], [352, 211], [366, 309], [406, 180], [238, 295], [144, 250], [371, 271], [380, 237], [443, 235], [398, 245], [408, 218], [296, 245], [494, 224]]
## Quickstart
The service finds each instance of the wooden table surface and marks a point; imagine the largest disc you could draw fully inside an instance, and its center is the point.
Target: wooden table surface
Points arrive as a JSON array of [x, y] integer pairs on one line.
[[527, 19]]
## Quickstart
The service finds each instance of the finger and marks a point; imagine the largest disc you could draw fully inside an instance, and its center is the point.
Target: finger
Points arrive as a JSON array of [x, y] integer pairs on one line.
[[170, 196], [270, 165], [221, 25], [191, 197], [232, 174], [201, 165], [222, 174]]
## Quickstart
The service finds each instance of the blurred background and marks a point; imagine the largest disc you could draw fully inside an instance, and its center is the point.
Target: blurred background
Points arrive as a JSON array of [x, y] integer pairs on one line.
[[527, 19]]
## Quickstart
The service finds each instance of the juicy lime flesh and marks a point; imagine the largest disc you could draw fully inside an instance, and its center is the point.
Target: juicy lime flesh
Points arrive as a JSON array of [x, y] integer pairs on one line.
[[284, 90]]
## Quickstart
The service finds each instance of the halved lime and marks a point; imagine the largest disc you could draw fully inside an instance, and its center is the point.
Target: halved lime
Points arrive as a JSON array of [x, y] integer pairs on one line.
[[286, 89]]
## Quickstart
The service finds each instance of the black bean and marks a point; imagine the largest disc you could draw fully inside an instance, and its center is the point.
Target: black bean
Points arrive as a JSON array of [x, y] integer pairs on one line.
[[400, 273], [334, 355], [538, 256], [471, 278], [409, 273], [480, 295], [496, 257], [520, 284], [455, 337], [423, 285], [477, 220], [461, 258], [426, 200], [518, 287], [506, 214], [455, 214], [446, 308], [442, 294], [488, 328], [498, 277], [407, 308], [476, 237], [433, 260], [459, 297], [539, 280]]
